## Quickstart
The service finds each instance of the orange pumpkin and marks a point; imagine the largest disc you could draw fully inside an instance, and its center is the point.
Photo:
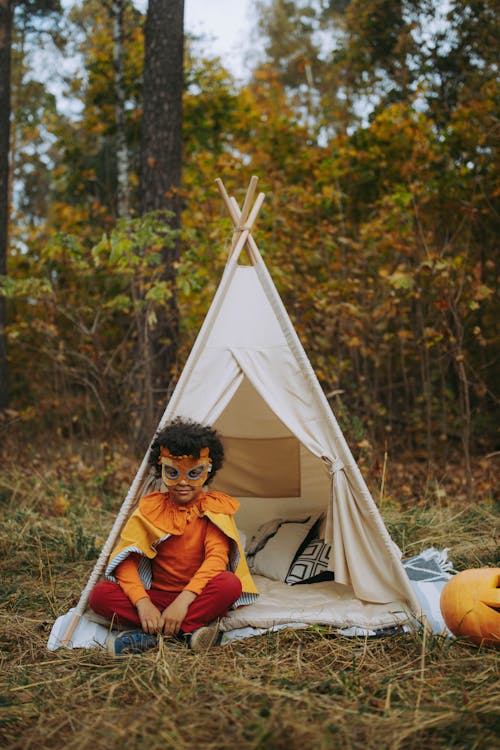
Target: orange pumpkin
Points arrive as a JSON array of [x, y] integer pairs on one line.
[[470, 605]]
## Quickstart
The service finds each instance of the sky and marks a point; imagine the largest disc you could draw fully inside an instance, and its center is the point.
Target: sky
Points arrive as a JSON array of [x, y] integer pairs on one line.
[[225, 23]]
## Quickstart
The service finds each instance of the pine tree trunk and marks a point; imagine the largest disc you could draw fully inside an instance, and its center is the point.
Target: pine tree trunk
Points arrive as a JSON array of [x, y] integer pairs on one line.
[[161, 166], [161, 157], [6, 8], [122, 162]]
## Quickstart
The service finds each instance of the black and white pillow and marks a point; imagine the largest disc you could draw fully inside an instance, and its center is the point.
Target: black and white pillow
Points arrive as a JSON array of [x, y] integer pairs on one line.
[[311, 565], [277, 544]]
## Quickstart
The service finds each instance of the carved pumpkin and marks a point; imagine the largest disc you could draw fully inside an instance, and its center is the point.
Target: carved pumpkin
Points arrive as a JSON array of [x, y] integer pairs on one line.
[[470, 605]]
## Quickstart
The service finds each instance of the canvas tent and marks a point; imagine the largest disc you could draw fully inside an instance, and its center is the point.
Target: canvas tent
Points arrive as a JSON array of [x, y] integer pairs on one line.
[[286, 456]]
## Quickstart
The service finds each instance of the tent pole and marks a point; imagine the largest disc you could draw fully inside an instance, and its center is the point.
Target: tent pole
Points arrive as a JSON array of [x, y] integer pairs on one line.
[[353, 471], [236, 216], [249, 198], [239, 218], [296, 346], [100, 565], [141, 474]]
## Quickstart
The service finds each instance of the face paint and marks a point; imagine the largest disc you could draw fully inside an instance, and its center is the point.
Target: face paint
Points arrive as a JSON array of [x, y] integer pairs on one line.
[[175, 469]]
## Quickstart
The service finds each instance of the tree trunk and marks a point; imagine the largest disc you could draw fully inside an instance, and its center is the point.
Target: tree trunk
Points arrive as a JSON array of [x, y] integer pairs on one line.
[[463, 391], [6, 7], [122, 163], [161, 164]]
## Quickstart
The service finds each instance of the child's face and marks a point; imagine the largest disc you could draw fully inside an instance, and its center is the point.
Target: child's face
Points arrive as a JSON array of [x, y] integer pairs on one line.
[[183, 493], [184, 475]]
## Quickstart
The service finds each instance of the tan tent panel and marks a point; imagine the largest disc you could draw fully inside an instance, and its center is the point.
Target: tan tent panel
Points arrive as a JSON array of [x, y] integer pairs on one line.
[[248, 375]]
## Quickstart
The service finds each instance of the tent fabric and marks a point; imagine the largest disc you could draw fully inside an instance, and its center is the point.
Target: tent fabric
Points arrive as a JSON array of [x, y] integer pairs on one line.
[[249, 376]]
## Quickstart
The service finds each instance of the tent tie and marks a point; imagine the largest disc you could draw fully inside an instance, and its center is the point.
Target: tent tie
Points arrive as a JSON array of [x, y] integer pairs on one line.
[[333, 465]]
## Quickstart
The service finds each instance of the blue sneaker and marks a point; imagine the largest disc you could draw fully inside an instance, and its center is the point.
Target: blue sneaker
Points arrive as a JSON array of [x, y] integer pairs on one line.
[[130, 642]]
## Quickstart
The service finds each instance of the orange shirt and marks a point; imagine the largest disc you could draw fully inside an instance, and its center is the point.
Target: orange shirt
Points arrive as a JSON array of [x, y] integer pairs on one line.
[[184, 561]]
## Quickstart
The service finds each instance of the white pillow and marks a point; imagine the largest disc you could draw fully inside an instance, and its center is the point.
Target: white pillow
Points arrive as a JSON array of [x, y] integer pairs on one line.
[[275, 558]]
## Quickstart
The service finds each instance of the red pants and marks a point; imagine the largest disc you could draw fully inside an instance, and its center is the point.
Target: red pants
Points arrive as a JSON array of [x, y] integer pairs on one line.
[[107, 599]]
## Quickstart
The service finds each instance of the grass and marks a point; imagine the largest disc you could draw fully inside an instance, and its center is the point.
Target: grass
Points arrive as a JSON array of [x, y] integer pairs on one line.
[[291, 689]]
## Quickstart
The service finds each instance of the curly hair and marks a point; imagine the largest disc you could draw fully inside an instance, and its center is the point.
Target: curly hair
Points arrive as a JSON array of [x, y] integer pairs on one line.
[[183, 437]]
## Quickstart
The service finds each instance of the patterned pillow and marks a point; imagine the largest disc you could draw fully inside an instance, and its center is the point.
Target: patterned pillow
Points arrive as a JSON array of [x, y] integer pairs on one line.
[[275, 558], [310, 566]]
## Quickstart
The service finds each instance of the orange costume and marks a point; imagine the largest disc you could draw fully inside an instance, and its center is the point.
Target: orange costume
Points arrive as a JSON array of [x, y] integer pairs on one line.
[[172, 547]]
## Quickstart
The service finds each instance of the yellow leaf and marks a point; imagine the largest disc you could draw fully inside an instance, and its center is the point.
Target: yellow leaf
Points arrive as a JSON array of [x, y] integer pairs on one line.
[[61, 505]]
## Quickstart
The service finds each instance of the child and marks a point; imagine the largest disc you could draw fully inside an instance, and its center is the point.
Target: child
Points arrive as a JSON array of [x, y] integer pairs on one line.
[[169, 572]]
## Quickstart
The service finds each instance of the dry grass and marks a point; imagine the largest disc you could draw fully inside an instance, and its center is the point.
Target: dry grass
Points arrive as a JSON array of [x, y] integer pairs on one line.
[[293, 689]]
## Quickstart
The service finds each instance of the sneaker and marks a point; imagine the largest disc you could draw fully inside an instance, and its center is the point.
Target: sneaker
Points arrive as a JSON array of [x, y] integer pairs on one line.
[[204, 638], [130, 642]]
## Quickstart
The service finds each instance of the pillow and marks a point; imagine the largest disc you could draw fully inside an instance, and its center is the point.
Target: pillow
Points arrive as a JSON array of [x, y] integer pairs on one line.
[[274, 559], [310, 566], [269, 529]]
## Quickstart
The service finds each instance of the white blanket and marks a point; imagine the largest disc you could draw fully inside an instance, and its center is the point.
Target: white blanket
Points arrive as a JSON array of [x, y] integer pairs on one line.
[[328, 603]]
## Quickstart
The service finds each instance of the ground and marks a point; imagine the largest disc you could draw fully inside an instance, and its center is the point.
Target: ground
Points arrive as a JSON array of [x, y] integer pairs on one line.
[[293, 689]]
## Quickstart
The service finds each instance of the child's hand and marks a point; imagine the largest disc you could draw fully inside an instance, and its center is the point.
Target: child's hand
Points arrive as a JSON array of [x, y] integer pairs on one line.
[[172, 616], [149, 615]]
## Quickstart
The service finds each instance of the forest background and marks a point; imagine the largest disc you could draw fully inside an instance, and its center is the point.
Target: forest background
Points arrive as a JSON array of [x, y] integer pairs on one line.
[[373, 128]]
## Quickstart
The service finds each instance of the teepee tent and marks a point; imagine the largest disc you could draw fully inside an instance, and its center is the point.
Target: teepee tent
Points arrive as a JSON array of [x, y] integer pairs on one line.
[[248, 375]]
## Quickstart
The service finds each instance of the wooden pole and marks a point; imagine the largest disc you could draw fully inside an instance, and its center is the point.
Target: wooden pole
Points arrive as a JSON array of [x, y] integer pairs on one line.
[[242, 224], [243, 236]]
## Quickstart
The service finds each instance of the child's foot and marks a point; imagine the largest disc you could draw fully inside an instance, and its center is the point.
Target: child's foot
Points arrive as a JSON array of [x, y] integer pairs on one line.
[[204, 638], [130, 642]]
